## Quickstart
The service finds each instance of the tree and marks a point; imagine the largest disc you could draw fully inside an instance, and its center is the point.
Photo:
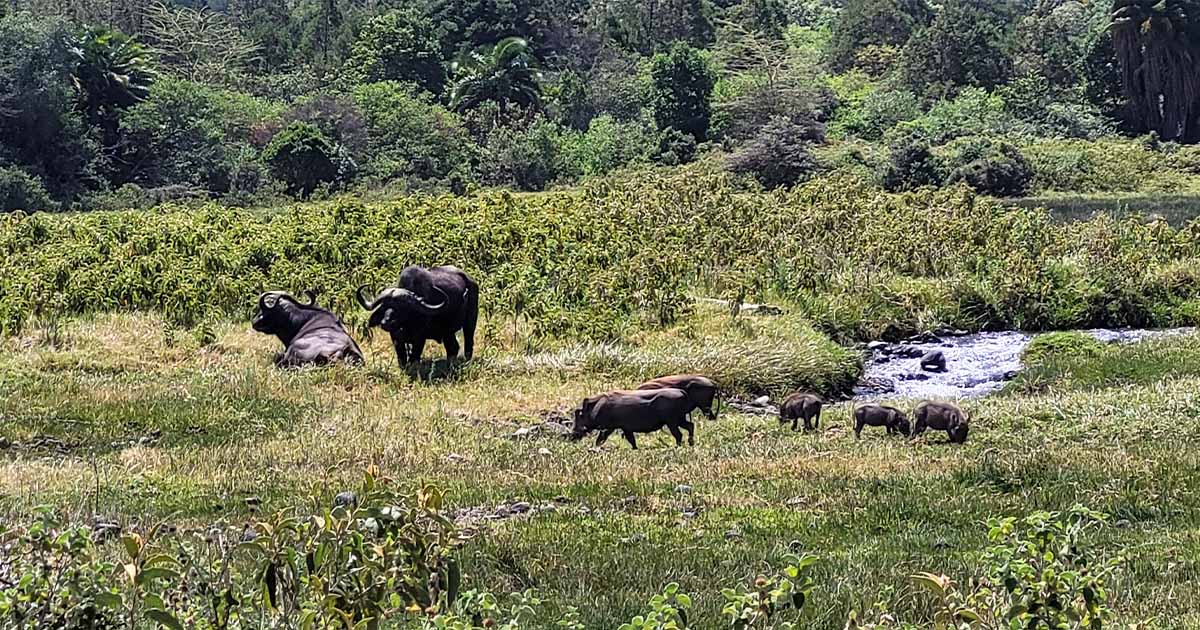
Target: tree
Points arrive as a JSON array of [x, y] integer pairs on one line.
[[646, 26], [505, 73], [969, 43], [680, 90], [113, 73], [199, 44], [303, 158], [21, 191], [41, 129], [1158, 47], [864, 23], [398, 46], [778, 156]]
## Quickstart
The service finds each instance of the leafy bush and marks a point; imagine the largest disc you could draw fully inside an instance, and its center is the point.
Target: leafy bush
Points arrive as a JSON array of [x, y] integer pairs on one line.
[[877, 113], [974, 112], [21, 191], [609, 144], [988, 166], [375, 556], [778, 156], [525, 158], [304, 159], [910, 165]]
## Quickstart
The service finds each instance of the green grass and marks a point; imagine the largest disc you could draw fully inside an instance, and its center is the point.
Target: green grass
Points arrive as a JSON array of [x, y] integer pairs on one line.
[[1177, 209], [1113, 430]]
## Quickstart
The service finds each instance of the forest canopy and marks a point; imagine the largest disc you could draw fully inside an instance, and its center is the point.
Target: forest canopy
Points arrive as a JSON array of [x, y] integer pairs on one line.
[[112, 105]]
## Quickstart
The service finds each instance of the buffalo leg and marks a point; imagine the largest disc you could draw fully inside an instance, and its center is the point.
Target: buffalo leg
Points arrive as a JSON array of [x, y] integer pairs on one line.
[[602, 436], [708, 413], [817, 421], [415, 351], [858, 426], [690, 427], [401, 348], [675, 433], [629, 438], [452, 347], [469, 324]]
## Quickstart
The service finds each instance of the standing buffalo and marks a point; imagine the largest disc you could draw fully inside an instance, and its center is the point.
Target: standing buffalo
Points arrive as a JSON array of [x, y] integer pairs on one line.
[[798, 407], [941, 416], [429, 304], [700, 390], [310, 334], [879, 416], [640, 411]]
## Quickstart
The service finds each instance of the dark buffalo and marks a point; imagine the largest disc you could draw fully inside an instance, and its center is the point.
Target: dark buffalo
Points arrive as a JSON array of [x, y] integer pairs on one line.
[[429, 304], [631, 412], [941, 416], [806, 407], [700, 390], [880, 416], [311, 335]]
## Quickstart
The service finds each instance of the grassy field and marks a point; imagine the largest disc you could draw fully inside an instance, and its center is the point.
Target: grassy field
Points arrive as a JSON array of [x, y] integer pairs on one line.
[[1175, 208], [124, 416]]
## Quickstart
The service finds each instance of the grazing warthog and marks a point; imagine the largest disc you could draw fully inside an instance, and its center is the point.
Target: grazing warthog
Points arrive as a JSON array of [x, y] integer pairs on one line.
[[941, 416], [879, 416], [630, 412], [429, 304], [806, 407], [311, 335], [700, 390], [934, 361]]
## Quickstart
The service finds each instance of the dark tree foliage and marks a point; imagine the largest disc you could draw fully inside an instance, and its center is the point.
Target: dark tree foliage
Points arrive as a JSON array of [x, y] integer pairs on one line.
[[910, 165], [646, 26], [778, 156], [1158, 46], [768, 18], [969, 43], [680, 90], [40, 128], [21, 191], [398, 46], [303, 158], [866, 23], [988, 166]]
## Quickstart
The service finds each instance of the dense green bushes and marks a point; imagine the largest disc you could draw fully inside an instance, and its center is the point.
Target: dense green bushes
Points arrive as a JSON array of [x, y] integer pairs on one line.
[[590, 264]]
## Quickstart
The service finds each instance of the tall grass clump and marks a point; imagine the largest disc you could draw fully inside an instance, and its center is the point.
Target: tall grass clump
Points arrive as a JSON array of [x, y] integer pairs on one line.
[[615, 257]]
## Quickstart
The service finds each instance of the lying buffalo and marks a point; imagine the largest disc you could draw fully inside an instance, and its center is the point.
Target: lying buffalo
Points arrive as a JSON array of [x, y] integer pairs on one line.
[[429, 304], [941, 416], [806, 407], [880, 416], [640, 411], [934, 361], [311, 335], [700, 390]]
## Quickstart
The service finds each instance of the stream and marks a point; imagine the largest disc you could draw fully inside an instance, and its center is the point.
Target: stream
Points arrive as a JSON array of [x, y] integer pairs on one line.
[[975, 364]]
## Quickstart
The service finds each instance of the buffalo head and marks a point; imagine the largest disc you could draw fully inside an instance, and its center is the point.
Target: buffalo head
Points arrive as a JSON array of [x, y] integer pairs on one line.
[[393, 309], [272, 316]]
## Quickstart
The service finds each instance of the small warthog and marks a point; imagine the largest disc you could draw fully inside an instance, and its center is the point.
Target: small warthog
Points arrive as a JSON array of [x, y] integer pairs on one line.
[[941, 416], [700, 390], [806, 407], [630, 412], [879, 416]]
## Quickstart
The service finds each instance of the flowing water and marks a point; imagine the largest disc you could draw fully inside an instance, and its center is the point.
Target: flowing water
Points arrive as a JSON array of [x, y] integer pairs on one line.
[[976, 364]]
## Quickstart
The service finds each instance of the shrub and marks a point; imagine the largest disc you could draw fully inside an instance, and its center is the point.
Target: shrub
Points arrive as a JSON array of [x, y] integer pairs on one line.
[[675, 147], [21, 191], [778, 156], [609, 144], [1104, 166], [525, 158], [877, 113], [303, 158], [910, 165], [974, 112], [988, 166]]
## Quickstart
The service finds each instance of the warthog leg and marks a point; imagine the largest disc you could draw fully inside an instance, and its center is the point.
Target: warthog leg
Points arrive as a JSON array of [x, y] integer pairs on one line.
[[603, 435]]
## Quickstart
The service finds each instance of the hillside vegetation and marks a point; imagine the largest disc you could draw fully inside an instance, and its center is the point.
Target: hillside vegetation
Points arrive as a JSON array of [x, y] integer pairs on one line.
[[608, 260]]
